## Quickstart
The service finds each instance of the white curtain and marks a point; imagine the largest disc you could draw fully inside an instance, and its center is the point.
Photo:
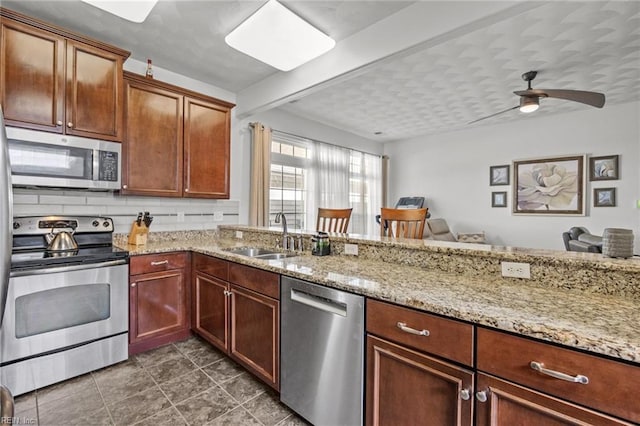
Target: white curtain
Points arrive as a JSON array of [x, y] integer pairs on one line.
[[328, 179], [343, 178], [260, 175], [369, 189]]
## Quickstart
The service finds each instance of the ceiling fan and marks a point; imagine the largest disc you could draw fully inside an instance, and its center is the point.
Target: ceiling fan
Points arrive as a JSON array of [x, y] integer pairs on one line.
[[530, 98]]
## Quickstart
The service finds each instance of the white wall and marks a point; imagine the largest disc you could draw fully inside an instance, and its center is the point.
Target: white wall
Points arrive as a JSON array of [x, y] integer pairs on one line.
[[452, 171]]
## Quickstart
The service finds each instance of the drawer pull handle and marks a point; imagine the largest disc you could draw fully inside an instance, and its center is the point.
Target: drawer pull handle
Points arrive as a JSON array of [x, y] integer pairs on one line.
[[162, 262], [403, 326], [579, 378], [465, 394]]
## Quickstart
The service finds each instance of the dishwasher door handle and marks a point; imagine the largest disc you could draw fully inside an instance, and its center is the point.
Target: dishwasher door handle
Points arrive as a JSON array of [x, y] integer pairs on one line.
[[318, 302]]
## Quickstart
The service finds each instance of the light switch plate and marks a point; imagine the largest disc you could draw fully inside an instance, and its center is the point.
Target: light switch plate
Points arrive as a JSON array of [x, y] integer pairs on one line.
[[218, 216], [180, 217], [239, 235]]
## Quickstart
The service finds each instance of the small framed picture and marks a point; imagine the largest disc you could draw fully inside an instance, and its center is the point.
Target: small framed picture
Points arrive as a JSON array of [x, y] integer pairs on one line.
[[604, 168], [499, 199], [499, 175], [604, 197]]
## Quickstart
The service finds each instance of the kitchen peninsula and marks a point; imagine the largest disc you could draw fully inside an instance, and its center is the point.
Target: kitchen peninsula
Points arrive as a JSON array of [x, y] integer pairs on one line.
[[580, 304]]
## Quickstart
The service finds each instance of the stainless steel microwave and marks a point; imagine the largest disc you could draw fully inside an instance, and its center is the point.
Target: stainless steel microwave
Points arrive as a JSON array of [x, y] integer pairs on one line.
[[41, 159]]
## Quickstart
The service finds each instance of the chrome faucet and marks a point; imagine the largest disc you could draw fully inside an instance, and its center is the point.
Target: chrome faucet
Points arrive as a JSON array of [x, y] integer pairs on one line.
[[285, 232]]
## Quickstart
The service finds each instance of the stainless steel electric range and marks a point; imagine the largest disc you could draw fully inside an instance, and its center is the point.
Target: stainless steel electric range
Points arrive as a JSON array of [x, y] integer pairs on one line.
[[67, 304]]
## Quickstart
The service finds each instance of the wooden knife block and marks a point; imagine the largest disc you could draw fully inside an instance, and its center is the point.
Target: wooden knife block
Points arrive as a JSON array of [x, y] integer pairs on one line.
[[138, 234]]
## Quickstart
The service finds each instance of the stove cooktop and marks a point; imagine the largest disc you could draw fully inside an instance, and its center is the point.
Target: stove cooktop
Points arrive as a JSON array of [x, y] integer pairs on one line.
[[35, 259]]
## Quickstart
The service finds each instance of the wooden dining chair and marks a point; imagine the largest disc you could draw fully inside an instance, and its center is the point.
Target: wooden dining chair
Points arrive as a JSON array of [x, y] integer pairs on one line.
[[402, 223], [333, 220]]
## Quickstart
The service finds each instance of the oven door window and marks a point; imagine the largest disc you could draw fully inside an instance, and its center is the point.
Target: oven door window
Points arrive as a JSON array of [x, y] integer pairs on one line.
[[44, 160], [61, 308]]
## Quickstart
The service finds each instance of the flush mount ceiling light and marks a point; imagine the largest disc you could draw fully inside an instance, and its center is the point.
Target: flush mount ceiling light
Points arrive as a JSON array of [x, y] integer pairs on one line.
[[278, 37], [134, 11], [529, 104]]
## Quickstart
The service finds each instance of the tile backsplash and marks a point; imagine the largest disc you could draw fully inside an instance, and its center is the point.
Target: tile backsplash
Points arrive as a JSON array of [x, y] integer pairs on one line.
[[170, 214]]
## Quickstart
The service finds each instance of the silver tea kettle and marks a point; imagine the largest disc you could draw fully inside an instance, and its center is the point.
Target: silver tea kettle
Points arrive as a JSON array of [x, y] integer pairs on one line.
[[61, 240]]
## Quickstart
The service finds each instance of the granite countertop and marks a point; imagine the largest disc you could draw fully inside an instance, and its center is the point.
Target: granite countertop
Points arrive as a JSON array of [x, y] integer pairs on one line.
[[602, 324]]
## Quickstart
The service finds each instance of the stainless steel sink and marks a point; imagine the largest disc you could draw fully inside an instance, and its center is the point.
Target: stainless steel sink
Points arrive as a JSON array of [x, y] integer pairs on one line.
[[260, 253], [250, 251], [275, 256]]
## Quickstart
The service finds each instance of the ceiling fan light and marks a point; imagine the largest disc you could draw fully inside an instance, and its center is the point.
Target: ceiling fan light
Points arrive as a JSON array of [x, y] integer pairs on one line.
[[529, 104]]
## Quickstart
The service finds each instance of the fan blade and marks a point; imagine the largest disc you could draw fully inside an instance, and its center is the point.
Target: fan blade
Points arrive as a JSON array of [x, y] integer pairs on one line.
[[594, 99], [493, 115]]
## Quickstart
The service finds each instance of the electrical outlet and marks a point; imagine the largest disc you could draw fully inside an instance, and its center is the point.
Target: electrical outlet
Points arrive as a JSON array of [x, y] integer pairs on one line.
[[516, 270], [351, 249], [239, 235], [218, 216], [180, 216]]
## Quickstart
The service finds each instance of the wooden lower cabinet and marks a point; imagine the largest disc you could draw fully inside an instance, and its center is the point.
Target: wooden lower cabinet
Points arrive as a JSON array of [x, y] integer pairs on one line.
[[158, 301], [255, 333], [237, 318], [405, 387], [211, 309], [502, 403]]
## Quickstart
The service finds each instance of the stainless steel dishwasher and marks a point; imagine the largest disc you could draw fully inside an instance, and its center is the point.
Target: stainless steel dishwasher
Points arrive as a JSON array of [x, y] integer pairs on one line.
[[322, 353]]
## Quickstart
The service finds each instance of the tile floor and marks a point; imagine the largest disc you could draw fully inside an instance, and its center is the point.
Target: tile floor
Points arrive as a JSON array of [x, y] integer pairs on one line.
[[185, 383]]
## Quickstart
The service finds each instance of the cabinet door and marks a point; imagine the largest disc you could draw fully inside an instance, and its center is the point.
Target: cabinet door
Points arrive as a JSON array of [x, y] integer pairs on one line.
[[206, 149], [152, 146], [158, 305], [255, 333], [504, 403], [211, 308], [94, 92], [32, 77], [405, 387]]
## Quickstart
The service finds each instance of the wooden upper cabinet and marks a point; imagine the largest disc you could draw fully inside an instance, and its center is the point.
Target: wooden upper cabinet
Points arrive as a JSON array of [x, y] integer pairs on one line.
[[153, 142], [58, 81], [32, 77], [94, 106], [206, 141], [177, 142]]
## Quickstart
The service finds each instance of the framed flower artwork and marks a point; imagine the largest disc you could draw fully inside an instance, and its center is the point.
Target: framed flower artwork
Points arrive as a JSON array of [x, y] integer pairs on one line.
[[549, 186]]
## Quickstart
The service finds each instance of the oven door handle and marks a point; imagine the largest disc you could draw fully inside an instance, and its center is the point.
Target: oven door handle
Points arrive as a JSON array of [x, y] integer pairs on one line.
[[62, 268]]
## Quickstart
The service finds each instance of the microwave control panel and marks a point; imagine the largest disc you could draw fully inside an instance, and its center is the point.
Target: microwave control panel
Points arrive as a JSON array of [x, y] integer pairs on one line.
[[108, 166]]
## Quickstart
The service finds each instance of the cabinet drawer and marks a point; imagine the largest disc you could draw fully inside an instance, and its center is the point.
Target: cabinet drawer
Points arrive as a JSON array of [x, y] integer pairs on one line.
[[254, 279], [447, 338], [157, 262], [211, 266], [611, 386]]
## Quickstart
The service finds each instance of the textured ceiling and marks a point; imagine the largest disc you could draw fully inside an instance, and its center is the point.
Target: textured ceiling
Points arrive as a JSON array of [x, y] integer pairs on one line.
[[433, 88], [580, 46]]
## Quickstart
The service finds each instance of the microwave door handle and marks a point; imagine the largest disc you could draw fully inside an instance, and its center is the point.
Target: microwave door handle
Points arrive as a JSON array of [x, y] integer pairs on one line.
[[96, 165]]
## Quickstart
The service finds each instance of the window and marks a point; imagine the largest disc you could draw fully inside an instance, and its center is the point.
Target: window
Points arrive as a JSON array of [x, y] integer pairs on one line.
[[307, 174], [287, 188]]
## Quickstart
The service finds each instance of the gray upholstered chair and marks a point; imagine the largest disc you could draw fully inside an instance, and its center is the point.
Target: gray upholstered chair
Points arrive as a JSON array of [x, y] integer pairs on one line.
[[438, 229], [579, 238]]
